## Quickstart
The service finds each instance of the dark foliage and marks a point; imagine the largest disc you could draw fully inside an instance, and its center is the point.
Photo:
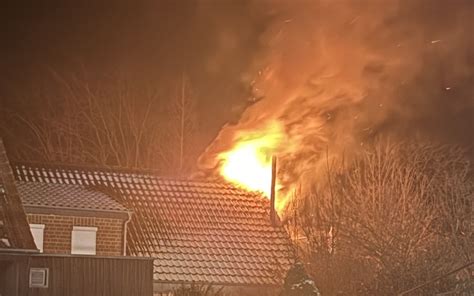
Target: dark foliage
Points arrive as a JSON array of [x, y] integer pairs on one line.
[[299, 283], [198, 290]]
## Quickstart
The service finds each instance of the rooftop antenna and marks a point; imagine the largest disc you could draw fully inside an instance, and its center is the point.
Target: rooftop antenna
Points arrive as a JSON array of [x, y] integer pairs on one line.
[[272, 191]]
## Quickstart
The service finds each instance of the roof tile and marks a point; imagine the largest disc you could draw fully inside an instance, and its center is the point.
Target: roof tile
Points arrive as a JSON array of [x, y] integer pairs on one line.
[[58, 195]]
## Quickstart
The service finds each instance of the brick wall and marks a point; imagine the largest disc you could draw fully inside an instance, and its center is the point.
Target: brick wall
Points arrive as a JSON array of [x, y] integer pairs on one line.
[[57, 233]]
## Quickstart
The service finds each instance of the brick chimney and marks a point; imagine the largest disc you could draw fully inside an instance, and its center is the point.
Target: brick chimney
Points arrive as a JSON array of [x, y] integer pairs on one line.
[[16, 225]]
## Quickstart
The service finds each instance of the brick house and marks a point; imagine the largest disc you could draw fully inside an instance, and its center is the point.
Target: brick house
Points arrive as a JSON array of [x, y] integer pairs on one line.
[[196, 231], [25, 271], [73, 219]]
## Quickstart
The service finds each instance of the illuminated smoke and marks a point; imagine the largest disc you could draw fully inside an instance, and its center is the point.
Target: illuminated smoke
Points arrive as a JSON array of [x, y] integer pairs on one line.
[[335, 74]]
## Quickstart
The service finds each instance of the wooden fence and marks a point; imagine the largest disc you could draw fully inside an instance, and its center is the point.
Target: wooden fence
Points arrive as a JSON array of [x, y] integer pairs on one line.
[[85, 275]]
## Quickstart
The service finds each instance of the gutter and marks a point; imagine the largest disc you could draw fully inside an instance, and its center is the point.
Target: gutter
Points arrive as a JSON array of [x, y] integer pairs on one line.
[[18, 251], [125, 224]]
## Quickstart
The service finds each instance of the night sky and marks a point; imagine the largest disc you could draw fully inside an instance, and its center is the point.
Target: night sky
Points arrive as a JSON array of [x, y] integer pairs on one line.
[[219, 45], [150, 42]]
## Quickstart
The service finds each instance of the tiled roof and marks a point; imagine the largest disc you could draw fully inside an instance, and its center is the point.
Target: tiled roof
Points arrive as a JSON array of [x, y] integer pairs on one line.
[[198, 231], [14, 230], [65, 196]]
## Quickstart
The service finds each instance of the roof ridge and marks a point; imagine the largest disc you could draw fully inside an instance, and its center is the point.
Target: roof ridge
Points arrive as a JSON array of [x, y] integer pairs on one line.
[[85, 167], [119, 170]]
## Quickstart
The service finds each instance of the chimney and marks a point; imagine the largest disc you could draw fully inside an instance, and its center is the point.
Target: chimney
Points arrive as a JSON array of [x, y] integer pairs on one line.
[[16, 224], [273, 217]]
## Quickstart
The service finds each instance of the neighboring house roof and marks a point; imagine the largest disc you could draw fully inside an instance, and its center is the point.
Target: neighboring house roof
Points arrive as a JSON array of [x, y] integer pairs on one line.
[[11, 236], [66, 196], [4, 241], [198, 231], [14, 229]]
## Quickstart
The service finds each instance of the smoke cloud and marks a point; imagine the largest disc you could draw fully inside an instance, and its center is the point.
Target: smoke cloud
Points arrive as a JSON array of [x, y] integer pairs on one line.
[[337, 74]]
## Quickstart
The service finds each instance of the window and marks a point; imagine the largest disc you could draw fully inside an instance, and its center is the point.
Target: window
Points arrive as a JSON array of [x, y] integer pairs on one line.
[[83, 240], [37, 230]]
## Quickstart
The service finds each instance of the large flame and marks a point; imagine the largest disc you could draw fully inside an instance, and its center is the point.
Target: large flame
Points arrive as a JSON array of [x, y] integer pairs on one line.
[[335, 75], [249, 163]]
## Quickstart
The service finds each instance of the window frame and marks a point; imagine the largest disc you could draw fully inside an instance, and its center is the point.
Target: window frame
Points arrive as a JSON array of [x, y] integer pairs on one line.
[[84, 230]]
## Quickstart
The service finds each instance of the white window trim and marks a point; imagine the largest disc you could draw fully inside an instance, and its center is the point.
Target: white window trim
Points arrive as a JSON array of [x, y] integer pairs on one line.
[[38, 241], [86, 229]]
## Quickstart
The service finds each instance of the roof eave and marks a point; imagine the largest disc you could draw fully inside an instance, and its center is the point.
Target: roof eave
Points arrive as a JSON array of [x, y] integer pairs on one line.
[[18, 251], [227, 284]]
